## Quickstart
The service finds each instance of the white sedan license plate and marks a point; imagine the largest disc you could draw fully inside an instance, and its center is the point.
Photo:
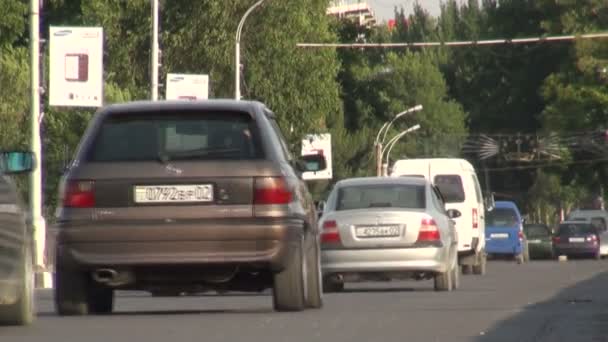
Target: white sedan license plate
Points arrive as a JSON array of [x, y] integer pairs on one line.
[[191, 193], [576, 239], [499, 236], [377, 231]]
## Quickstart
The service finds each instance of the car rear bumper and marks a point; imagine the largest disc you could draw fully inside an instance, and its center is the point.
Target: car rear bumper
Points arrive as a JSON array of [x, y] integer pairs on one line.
[[426, 259], [542, 248], [503, 247], [257, 243], [575, 250]]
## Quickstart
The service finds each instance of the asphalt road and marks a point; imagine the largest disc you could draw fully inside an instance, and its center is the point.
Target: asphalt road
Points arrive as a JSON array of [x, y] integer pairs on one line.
[[540, 301]]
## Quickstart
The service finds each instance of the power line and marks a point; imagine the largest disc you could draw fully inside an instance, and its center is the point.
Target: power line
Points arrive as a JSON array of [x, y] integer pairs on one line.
[[455, 43]]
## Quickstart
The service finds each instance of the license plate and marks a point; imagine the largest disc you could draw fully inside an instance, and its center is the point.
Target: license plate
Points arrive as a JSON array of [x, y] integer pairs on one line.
[[534, 241], [192, 193], [576, 239], [499, 236], [377, 231]]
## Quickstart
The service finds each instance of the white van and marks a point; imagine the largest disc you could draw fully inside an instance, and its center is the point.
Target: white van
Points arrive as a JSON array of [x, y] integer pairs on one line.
[[458, 183]]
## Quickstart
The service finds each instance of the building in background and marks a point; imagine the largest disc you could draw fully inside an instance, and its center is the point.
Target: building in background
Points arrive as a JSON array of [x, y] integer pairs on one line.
[[358, 10]]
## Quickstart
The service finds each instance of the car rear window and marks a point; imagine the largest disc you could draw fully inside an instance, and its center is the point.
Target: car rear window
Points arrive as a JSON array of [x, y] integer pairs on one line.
[[533, 231], [381, 196], [450, 187], [569, 229], [502, 217], [183, 135]]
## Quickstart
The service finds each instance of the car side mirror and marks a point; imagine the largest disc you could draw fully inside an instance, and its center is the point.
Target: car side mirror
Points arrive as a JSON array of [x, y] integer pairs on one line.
[[15, 162], [489, 202], [312, 163], [453, 213]]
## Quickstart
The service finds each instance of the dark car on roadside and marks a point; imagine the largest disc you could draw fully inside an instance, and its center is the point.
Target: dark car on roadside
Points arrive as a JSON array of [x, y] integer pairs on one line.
[[16, 244], [178, 197], [540, 240], [577, 238]]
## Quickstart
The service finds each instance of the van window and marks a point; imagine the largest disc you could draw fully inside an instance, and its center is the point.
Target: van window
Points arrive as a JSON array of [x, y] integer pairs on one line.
[[450, 187], [502, 217]]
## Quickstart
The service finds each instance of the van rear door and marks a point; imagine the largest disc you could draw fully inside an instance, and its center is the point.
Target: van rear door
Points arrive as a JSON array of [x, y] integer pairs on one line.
[[451, 187]]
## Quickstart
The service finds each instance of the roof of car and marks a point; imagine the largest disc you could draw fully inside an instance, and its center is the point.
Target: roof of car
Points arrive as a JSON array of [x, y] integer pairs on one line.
[[214, 104], [382, 180]]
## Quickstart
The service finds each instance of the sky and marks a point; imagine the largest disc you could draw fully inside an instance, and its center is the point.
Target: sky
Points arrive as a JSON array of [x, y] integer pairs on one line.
[[384, 9]]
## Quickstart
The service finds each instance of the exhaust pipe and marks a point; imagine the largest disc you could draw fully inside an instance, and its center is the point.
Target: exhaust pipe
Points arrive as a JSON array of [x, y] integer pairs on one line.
[[104, 275]]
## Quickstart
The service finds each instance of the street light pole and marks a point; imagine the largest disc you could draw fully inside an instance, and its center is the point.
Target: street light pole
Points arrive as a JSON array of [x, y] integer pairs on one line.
[[392, 144], [237, 52], [154, 66], [384, 129]]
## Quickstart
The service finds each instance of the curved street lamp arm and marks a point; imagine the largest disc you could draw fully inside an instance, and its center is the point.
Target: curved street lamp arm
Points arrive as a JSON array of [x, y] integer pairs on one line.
[[242, 22], [380, 132], [405, 112], [395, 139]]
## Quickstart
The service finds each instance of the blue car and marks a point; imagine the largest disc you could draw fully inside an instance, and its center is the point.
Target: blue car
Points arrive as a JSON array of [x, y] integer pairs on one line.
[[504, 232]]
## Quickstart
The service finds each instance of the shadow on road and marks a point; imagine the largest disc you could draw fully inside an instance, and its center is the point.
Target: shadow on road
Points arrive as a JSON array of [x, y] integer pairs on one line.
[[172, 312], [577, 313]]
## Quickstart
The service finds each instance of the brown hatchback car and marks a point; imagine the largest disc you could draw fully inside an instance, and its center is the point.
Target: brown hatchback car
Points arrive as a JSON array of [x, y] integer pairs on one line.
[[186, 197]]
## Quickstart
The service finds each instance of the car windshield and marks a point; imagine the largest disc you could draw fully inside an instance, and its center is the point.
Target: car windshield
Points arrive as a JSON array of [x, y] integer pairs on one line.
[[569, 229], [175, 136], [450, 187], [408, 196], [536, 231], [502, 217]]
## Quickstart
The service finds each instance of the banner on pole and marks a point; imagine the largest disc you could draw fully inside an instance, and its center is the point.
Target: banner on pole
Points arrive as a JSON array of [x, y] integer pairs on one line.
[[76, 66]]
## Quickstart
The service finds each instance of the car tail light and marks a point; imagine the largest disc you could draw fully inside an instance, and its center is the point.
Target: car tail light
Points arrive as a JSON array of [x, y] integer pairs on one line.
[[271, 190], [592, 238], [429, 232], [475, 219], [330, 233], [79, 194], [556, 239], [521, 235]]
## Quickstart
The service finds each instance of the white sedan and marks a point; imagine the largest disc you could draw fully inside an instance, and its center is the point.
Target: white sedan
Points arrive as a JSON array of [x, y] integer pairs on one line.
[[381, 228]]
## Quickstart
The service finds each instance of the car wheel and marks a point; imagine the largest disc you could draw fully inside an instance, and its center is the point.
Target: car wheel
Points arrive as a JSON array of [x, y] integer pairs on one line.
[[288, 293], [70, 292], [332, 286], [444, 281], [455, 276], [100, 300], [315, 284], [526, 253], [467, 269], [480, 268], [22, 312]]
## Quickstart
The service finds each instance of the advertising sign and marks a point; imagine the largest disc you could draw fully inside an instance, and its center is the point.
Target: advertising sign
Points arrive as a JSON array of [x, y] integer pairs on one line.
[[187, 87], [76, 66]]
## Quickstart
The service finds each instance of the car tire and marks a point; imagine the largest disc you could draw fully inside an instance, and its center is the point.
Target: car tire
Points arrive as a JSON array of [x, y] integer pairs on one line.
[[332, 286], [288, 293], [455, 276], [480, 268], [443, 281], [100, 300], [314, 299], [467, 269], [70, 292], [22, 312], [526, 253]]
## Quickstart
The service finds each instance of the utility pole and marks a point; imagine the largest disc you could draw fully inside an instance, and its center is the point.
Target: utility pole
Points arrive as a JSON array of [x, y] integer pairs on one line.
[[35, 196], [154, 64], [379, 159]]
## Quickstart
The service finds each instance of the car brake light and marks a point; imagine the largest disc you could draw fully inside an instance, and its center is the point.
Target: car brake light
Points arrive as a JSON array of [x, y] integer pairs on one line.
[[330, 233], [271, 190], [428, 231], [521, 235], [79, 194], [475, 219], [556, 239], [592, 238]]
